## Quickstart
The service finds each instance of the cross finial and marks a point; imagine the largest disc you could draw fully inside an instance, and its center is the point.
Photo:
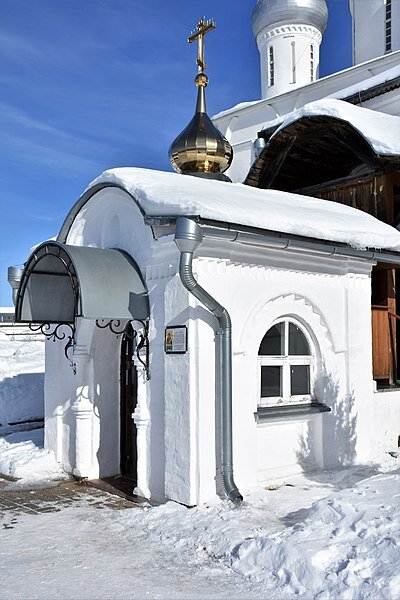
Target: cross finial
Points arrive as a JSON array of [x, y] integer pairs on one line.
[[204, 26]]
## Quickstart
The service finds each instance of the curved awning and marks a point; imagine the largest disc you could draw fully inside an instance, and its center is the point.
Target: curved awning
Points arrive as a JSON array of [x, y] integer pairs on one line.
[[62, 282]]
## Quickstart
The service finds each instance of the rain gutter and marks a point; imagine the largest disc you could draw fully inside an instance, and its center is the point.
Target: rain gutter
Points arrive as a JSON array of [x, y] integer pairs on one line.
[[285, 242], [248, 236]]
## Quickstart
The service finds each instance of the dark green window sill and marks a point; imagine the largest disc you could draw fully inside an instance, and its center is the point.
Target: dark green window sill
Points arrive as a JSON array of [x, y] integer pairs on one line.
[[265, 413]]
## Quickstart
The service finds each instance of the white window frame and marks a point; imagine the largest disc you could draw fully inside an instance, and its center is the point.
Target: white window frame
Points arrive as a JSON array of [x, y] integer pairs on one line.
[[286, 361]]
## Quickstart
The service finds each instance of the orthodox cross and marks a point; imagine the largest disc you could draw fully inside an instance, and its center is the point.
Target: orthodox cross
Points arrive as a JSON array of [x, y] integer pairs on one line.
[[203, 27]]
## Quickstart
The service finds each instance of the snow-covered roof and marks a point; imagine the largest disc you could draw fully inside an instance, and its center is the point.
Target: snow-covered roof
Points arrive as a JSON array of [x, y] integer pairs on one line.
[[366, 84], [168, 194], [371, 80], [382, 131]]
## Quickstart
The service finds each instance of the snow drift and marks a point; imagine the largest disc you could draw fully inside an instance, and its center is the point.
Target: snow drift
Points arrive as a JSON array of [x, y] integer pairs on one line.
[[21, 381]]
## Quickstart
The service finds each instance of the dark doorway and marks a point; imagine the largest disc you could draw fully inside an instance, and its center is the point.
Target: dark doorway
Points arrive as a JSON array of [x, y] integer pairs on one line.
[[128, 394]]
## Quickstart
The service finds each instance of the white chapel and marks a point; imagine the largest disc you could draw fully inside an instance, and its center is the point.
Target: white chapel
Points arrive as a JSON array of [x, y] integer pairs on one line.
[[236, 322]]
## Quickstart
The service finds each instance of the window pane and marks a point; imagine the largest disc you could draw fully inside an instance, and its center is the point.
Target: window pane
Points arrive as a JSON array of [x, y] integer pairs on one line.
[[271, 382], [299, 380], [273, 341], [298, 344]]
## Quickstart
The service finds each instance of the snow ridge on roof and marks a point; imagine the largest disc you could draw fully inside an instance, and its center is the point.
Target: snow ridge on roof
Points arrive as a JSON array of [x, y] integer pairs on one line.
[[161, 193]]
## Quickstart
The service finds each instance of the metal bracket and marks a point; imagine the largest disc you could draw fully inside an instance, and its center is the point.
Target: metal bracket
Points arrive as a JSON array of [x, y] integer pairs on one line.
[[142, 339], [57, 334]]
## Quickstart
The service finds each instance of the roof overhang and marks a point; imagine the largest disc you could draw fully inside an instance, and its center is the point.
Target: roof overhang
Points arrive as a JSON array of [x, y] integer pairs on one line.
[[312, 150], [62, 282]]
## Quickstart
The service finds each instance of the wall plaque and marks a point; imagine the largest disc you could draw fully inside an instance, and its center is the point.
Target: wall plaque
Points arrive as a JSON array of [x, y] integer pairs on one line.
[[176, 339]]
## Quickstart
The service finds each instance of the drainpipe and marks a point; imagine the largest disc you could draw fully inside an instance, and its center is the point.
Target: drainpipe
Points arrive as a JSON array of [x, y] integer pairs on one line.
[[188, 237]]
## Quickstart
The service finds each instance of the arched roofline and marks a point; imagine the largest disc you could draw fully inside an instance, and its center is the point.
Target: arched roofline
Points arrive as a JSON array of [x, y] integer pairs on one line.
[[83, 200], [321, 131]]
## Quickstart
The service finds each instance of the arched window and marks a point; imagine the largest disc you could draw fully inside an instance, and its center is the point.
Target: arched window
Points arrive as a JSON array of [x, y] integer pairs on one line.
[[286, 363]]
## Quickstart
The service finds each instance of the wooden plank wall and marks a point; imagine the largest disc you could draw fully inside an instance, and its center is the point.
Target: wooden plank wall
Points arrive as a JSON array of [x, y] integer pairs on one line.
[[381, 348], [373, 195]]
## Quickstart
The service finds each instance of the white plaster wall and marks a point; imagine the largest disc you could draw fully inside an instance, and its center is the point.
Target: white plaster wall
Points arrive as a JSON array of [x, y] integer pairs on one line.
[[104, 452], [208, 409], [386, 421], [180, 402], [99, 444], [59, 396], [283, 447], [285, 76], [368, 17], [112, 219], [243, 158], [333, 302]]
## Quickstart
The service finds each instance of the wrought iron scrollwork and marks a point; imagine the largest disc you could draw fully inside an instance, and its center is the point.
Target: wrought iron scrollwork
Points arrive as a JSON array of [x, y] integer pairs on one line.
[[55, 332], [142, 351], [113, 325]]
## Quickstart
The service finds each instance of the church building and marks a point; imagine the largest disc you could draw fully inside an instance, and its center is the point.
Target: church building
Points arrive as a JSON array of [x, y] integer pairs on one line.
[[235, 322]]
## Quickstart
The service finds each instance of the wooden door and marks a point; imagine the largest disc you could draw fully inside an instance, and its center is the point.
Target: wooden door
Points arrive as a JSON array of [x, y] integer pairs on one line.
[[128, 450]]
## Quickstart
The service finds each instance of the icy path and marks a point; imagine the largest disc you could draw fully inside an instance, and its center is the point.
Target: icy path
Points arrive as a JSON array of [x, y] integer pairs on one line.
[[84, 553]]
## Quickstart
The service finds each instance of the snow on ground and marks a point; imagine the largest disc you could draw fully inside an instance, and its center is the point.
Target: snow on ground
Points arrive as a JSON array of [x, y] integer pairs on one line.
[[347, 546], [325, 535], [314, 536], [23, 457], [21, 380]]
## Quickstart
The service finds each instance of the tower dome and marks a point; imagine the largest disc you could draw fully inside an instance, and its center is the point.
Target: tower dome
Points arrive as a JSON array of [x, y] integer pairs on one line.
[[288, 35], [274, 13]]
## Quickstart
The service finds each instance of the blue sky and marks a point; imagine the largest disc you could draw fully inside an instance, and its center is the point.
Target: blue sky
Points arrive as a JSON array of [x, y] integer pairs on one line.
[[94, 84]]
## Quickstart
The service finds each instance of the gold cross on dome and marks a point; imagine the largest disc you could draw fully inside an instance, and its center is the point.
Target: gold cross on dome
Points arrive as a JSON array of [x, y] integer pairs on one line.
[[203, 27]]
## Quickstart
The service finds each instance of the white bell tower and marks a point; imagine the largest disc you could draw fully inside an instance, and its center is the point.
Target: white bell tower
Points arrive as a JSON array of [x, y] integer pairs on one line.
[[376, 28], [288, 35]]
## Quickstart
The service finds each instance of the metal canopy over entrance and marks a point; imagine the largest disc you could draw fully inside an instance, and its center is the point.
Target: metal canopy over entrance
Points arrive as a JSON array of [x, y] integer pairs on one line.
[[62, 282]]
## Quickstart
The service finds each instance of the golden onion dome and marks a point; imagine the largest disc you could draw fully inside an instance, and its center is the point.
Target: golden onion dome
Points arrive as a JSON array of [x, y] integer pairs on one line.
[[201, 149]]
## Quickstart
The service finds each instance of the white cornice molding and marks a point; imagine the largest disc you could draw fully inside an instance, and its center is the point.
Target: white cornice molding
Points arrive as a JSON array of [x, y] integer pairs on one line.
[[267, 34]]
